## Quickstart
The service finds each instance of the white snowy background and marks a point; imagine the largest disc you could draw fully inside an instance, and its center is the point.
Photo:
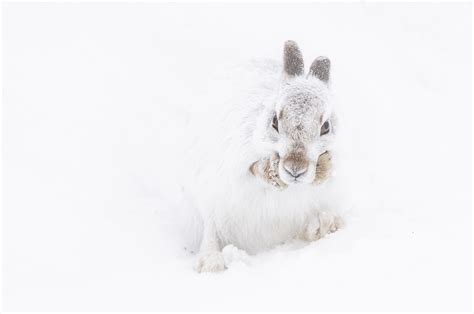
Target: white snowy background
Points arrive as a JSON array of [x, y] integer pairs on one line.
[[97, 100]]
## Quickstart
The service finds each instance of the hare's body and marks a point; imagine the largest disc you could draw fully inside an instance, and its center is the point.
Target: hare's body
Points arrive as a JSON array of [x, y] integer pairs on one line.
[[236, 207], [254, 217]]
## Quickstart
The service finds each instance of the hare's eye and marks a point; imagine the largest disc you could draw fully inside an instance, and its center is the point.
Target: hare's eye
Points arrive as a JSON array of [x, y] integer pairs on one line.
[[275, 123], [325, 128]]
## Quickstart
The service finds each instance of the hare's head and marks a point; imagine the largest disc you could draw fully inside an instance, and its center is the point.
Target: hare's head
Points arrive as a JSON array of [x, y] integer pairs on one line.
[[299, 126]]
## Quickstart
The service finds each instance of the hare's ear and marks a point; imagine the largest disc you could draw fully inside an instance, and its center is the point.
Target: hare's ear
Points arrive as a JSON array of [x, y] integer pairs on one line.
[[321, 68], [292, 60]]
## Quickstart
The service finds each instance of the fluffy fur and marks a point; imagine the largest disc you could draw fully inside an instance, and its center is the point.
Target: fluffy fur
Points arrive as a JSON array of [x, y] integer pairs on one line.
[[236, 206]]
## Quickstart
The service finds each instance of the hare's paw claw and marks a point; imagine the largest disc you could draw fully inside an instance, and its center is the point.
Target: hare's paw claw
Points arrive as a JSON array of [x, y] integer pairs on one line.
[[274, 177], [210, 262], [322, 225]]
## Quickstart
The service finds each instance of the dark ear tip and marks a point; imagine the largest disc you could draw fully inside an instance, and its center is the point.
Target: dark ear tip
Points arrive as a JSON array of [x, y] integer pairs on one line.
[[291, 46], [322, 59], [292, 59], [320, 68]]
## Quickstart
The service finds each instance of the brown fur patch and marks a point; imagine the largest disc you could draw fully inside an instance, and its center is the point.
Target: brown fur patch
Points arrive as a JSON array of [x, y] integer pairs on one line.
[[323, 167], [296, 160], [266, 169], [254, 168]]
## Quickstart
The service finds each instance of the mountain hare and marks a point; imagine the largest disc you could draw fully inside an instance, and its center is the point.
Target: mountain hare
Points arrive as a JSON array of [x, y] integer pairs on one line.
[[258, 176]]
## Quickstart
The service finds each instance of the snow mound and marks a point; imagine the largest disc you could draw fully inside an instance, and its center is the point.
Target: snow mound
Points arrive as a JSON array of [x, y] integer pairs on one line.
[[234, 256]]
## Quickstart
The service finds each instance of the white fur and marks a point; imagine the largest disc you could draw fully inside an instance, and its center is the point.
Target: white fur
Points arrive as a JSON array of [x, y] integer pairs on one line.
[[237, 208]]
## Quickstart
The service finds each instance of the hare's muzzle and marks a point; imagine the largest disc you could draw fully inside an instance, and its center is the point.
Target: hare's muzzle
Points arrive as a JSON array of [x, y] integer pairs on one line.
[[295, 165]]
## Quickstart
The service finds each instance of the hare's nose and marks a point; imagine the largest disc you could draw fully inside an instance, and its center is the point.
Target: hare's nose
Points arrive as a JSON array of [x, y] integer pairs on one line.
[[295, 170]]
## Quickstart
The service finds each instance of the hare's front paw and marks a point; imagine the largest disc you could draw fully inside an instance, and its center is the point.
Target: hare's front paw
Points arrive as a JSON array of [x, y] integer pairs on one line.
[[322, 225], [267, 170], [323, 167], [272, 172], [210, 262]]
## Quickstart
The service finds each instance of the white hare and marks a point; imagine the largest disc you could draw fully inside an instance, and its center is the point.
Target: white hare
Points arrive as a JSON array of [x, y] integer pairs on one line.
[[258, 172]]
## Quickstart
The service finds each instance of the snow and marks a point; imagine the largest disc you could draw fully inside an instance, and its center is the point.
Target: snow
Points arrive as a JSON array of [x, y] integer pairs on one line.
[[97, 104]]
